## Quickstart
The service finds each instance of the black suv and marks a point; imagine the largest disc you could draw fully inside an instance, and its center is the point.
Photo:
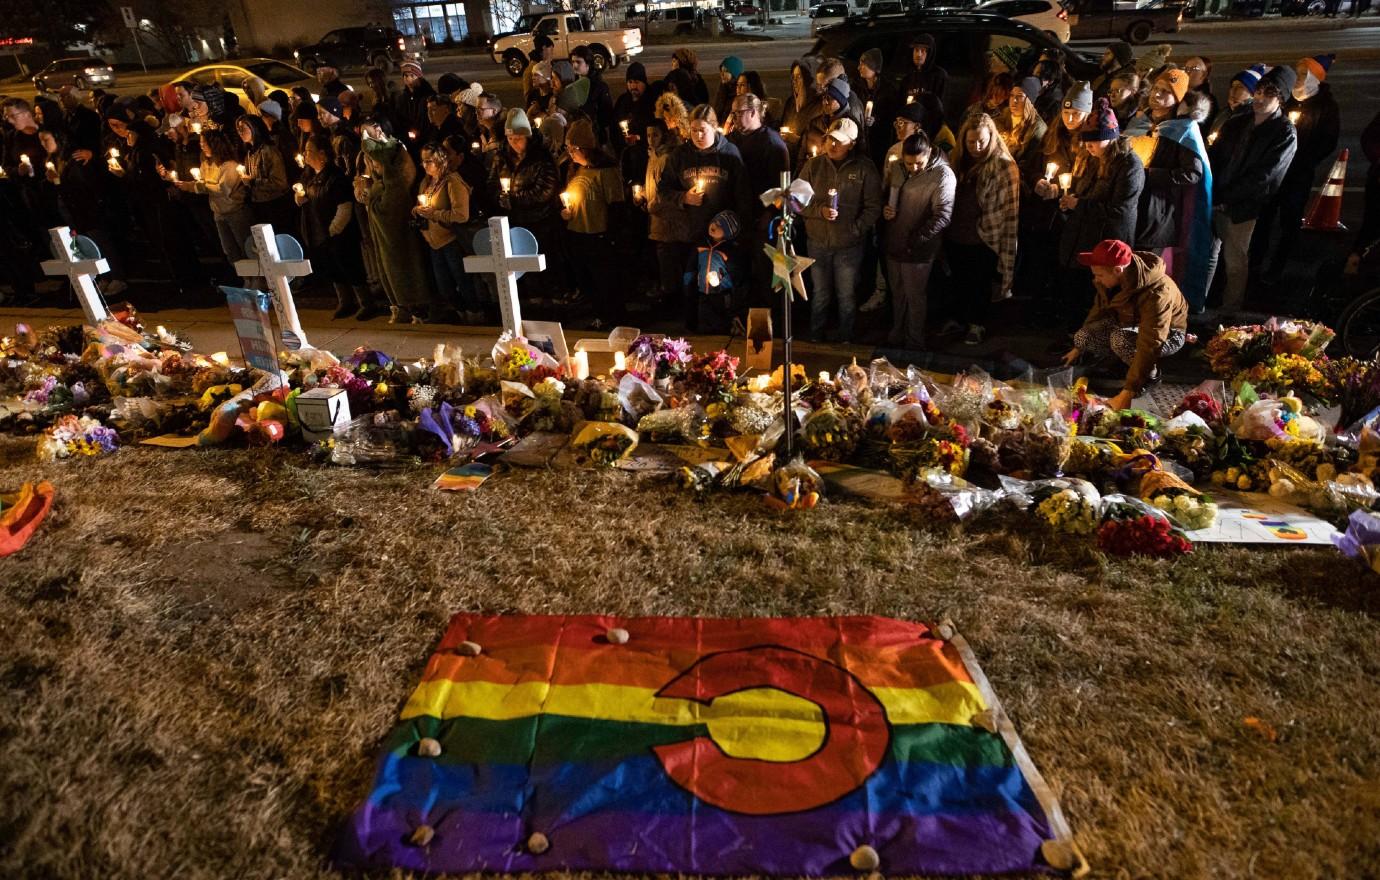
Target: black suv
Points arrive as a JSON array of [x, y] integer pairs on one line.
[[351, 47], [965, 41]]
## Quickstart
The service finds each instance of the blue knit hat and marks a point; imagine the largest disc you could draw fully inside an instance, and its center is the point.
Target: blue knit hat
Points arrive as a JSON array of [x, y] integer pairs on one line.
[[1102, 124], [1250, 77], [734, 65], [728, 222]]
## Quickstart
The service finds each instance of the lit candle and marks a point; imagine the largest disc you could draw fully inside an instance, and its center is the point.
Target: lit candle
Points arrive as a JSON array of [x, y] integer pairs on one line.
[[299, 189], [814, 151], [50, 166], [581, 365], [474, 146], [619, 361], [24, 159], [712, 278], [623, 124], [785, 129], [566, 199], [1294, 116], [699, 185], [412, 135], [1212, 138], [824, 375], [505, 183], [161, 331], [910, 99], [172, 175], [1065, 181], [423, 199], [867, 110], [241, 170], [221, 358], [637, 190], [196, 174], [892, 158], [1050, 170], [114, 153], [196, 128], [301, 160], [536, 122]]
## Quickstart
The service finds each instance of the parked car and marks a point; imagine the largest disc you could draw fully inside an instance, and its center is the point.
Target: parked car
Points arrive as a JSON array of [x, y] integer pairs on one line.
[[351, 47], [1049, 16], [1289, 8], [826, 14], [970, 46], [231, 76], [568, 30], [1112, 20], [83, 73], [671, 21], [746, 9]]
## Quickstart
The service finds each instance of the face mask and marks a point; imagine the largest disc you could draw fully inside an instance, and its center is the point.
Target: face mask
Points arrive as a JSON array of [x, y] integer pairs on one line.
[[1306, 88]]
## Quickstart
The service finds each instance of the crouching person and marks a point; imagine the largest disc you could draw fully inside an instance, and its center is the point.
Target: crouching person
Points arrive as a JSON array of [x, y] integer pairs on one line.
[[1139, 315]]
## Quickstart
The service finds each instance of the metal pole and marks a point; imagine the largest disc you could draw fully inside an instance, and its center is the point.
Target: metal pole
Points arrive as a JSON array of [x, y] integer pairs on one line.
[[140, 49], [787, 293]]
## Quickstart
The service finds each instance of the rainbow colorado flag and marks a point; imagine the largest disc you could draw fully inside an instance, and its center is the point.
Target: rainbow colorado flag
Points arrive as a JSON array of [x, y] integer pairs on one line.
[[800, 746]]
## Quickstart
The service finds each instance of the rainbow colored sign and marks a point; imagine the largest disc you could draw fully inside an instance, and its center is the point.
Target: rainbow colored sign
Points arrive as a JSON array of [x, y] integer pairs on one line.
[[785, 746]]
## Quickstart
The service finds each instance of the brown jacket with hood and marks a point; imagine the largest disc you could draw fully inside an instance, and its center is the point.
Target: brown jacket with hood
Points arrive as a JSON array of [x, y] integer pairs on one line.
[[1149, 300]]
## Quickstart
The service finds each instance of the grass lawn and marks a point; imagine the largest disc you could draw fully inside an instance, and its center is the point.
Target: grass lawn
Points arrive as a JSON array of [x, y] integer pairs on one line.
[[201, 650]]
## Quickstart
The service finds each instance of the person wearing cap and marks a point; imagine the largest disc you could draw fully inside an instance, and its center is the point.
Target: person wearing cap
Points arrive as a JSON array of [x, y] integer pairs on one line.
[[1021, 127], [592, 188], [442, 221], [1249, 160], [926, 77], [1174, 218], [524, 159], [598, 105], [980, 241], [846, 206], [635, 106], [834, 103], [1139, 315], [382, 96], [330, 112], [1199, 70], [1102, 203], [803, 105], [1167, 91], [410, 122], [766, 158], [702, 176], [918, 208], [1119, 59], [1239, 96], [1317, 124], [729, 70], [543, 52], [711, 276], [1041, 221]]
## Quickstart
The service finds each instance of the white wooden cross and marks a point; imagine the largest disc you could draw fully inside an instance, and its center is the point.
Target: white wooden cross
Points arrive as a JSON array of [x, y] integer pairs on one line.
[[504, 265], [80, 271], [270, 264]]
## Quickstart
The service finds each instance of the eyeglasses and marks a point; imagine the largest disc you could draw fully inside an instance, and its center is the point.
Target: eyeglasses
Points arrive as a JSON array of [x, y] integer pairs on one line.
[[1195, 69], [746, 111]]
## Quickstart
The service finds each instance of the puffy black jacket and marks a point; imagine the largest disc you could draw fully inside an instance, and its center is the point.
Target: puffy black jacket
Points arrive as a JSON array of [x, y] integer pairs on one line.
[[1249, 162], [1172, 172], [1107, 203], [1318, 125]]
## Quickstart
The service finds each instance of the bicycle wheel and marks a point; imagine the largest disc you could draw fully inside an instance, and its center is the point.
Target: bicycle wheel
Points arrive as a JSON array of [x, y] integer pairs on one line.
[[1358, 328]]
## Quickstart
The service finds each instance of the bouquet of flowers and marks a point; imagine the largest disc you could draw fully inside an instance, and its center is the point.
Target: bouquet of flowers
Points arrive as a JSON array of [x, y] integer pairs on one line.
[[1361, 540], [1284, 374], [1203, 404], [72, 436], [604, 443], [795, 486], [1188, 507], [712, 376], [683, 423], [1134, 428], [1090, 457], [938, 496], [1353, 385], [659, 357], [831, 433], [1128, 530], [1235, 349], [1067, 504], [1001, 415]]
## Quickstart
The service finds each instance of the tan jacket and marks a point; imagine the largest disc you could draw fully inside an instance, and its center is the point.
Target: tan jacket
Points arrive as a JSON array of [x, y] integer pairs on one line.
[[450, 199], [1148, 300]]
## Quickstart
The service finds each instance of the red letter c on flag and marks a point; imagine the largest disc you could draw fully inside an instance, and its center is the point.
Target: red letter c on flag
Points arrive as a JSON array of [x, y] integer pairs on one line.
[[856, 736]]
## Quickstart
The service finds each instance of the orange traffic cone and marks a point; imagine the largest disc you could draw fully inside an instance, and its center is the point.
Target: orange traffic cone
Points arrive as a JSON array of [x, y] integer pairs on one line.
[[1325, 213]]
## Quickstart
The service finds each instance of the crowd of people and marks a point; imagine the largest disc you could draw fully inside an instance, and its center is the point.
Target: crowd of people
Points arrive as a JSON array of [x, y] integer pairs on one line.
[[654, 194]]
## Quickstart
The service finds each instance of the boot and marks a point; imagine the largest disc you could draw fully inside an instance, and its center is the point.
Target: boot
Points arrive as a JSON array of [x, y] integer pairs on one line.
[[369, 307], [345, 302]]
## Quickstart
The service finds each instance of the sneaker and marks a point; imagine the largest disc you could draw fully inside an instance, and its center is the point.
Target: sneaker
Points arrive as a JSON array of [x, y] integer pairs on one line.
[[875, 302], [974, 335], [1154, 376]]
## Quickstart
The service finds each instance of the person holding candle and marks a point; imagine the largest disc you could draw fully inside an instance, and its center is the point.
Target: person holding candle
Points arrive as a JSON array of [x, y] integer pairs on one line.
[[531, 200], [226, 196], [1021, 127], [667, 225], [1103, 203], [1316, 117], [443, 209], [635, 108], [835, 104], [410, 106], [917, 213], [331, 232], [702, 177], [330, 112], [926, 77], [1249, 160], [270, 192], [1167, 91], [1239, 97], [878, 97], [1041, 221], [710, 276], [980, 241], [593, 192], [802, 106], [836, 224]]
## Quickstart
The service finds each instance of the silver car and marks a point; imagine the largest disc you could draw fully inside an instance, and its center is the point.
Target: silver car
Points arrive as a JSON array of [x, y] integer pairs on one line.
[[83, 73]]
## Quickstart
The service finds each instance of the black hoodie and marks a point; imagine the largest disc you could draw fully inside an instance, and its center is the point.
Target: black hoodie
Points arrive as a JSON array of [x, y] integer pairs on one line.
[[725, 180], [930, 77]]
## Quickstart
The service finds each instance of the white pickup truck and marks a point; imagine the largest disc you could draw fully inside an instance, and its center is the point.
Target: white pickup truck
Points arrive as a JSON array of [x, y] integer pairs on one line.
[[568, 30]]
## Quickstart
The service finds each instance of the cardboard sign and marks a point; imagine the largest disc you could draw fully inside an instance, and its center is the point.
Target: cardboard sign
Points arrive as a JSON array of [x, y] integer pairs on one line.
[[322, 411], [757, 346], [535, 450], [1257, 518], [549, 336], [253, 326]]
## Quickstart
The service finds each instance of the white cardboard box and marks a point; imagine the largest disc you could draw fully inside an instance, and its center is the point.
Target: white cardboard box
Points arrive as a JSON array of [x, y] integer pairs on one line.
[[322, 411]]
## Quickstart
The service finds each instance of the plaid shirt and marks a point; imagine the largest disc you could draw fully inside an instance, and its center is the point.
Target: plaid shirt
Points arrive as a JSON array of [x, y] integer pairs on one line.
[[999, 194]]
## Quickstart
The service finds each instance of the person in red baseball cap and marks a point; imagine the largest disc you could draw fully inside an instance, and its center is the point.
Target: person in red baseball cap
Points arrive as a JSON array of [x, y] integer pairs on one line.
[[1139, 315]]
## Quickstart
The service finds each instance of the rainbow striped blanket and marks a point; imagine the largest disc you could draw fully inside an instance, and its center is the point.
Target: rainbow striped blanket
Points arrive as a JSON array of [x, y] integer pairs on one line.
[[783, 746]]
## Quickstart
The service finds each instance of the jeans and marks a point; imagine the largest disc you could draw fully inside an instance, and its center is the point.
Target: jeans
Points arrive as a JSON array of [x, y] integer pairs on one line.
[[1231, 243], [909, 284], [835, 277], [452, 282], [232, 230]]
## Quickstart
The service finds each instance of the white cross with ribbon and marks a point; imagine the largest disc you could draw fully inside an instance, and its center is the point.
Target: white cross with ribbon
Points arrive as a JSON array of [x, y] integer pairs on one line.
[[269, 264], [80, 270], [505, 265]]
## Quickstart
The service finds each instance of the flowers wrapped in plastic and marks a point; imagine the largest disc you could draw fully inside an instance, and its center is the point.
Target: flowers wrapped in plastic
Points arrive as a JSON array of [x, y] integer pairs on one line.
[[1330, 499], [795, 486], [1166, 491], [72, 436], [1361, 540], [831, 433], [1066, 504], [380, 439], [1267, 419], [938, 496], [1132, 528], [681, 423], [603, 443]]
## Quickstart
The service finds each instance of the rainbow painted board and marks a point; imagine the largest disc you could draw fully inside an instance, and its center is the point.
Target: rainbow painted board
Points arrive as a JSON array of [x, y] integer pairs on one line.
[[780, 746]]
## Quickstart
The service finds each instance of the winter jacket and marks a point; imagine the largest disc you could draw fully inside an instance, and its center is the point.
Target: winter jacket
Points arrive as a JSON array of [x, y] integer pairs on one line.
[[884, 109], [599, 108], [765, 156], [931, 78], [1249, 162], [1172, 172], [924, 203], [266, 174], [724, 177], [797, 116], [639, 115], [1149, 300], [532, 192], [1108, 191], [222, 186], [1317, 128], [860, 200], [1023, 140], [997, 185], [449, 198], [711, 257], [410, 107], [688, 85], [667, 220], [1061, 147], [594, 190]]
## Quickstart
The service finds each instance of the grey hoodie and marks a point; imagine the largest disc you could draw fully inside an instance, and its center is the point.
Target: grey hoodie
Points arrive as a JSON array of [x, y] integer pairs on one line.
[[923, 208]]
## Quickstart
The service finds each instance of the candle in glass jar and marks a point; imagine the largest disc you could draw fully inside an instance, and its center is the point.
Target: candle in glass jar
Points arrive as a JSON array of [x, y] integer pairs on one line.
[[713, 278], [24, 159], [824, 377], [196, 128], [910, 99], [620, 362], [1065, 181], [699, 185], [505, 184]]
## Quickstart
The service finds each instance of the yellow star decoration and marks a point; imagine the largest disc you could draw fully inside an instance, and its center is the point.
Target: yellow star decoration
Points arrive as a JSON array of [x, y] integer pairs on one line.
[[786, 269]]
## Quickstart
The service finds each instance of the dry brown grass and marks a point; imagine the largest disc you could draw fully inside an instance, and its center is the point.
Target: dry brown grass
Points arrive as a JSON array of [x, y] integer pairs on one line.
[[202, 650]]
